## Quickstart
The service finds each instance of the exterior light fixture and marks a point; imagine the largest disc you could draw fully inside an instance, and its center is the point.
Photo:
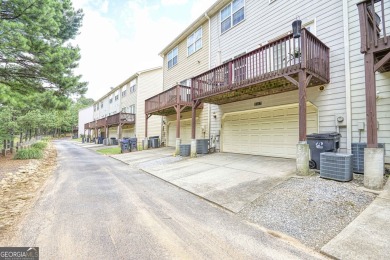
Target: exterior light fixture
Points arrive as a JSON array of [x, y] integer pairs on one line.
[[296, 26]]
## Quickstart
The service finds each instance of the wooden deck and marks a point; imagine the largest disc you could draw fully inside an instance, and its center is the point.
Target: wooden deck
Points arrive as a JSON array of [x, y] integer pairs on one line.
[[164, 103], [270, 69]]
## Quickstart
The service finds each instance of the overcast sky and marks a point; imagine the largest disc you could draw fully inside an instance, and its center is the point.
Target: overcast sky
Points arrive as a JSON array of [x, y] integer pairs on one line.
[[121, 37]]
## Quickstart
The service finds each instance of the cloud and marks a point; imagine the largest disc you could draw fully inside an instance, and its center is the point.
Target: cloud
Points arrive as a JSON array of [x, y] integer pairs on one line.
[[173, 2], [199, 7], [109, 56]]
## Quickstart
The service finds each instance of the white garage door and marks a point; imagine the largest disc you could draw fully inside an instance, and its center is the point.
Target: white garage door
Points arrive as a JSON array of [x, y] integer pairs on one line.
[[269, 132], [185, 132]]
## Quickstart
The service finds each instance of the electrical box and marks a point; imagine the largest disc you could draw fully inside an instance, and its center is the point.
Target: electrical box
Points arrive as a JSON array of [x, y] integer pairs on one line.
[[341, 120], [361, 126]]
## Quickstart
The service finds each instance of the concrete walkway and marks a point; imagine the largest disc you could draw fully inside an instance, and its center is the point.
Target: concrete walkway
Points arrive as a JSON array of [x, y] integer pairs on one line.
[[229, 180], [368, 236]]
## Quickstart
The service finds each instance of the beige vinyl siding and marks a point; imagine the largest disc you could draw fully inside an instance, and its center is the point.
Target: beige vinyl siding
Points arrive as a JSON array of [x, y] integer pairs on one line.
[[188, 66], [128, 131], [264, 22], [185, 135], [358, 97], [149, 84], [130, 98]]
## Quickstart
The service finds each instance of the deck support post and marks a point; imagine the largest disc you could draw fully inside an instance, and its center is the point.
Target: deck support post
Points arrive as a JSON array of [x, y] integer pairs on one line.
[[371, 117], [373, 156], [303, 151], [178, 140], [195, 105]]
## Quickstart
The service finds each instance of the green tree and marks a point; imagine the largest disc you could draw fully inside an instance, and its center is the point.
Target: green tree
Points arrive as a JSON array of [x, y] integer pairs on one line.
[[34, 51]]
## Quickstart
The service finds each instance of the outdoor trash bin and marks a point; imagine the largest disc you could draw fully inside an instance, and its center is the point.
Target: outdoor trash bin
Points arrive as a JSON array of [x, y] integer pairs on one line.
[[125, 146], [114, 141], [133, 144], [321, 143]]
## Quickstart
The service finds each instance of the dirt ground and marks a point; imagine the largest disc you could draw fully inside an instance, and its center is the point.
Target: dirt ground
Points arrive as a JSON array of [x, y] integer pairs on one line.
[[7, 164], [20, 181]]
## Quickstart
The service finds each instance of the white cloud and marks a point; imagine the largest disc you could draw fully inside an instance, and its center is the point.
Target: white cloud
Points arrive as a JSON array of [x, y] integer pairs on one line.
[[173, 2], [108, 58], [199, 7]]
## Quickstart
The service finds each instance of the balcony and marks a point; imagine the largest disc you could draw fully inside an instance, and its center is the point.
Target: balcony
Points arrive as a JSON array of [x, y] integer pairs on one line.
[[165, 102], [270, 69], [374, 38], [120, 119]]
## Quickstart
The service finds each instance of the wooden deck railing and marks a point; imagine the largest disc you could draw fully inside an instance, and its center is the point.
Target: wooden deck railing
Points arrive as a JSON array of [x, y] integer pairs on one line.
[[372, 23], [100, 123], [177, 95], [284, 56], [120, 118]]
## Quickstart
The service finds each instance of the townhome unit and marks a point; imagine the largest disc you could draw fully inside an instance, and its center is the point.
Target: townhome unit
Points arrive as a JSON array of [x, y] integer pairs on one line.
[[268, 87], [121, 112], [186, 56]]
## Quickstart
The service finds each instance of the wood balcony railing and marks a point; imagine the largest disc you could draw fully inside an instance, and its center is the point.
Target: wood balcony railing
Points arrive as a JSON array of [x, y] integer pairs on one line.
[[120, 118], [264, 68], [372, 23], [163, 103], [100, 123]]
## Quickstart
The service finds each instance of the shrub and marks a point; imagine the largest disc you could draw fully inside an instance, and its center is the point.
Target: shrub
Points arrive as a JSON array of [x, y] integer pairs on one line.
[[39, 145], [30, 153], [46, 139]]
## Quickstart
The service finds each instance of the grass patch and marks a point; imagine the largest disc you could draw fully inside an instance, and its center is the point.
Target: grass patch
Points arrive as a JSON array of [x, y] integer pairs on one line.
[[30, 153], [39, 145], [109, 151]]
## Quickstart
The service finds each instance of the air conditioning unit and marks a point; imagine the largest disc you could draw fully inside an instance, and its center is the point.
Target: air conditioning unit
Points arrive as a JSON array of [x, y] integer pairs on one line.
[[336, 166], [358, 156]]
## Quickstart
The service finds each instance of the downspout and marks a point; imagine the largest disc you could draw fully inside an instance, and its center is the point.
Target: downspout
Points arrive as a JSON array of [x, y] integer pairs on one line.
[[209, 61], [347, 75]]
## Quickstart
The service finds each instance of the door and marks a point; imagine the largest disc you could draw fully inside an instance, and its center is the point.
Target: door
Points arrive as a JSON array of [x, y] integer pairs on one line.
[[269, 131]]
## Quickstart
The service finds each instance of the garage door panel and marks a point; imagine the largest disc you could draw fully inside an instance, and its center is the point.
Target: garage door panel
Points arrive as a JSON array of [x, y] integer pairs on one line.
[[268, 132]]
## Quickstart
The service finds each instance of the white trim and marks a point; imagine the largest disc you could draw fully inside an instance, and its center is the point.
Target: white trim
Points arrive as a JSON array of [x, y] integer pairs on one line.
[[347, 66], [177, 59], [231, 16], [194, 43]]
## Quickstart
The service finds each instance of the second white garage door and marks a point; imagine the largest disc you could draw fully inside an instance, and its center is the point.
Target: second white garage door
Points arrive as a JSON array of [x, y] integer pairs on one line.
[[269, 131], [185, 131]]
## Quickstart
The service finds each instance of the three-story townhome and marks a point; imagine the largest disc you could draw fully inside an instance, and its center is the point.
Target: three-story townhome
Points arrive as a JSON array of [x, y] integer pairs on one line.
[[186, 56], [121, 112]]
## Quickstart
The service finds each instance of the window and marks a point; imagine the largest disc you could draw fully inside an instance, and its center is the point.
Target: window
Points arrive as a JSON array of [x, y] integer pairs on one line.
[[117, 95], [194, 41], [172, 58], [232, 14], [111, 99], [124, 91], [132, 109], [133, 85], [101, 104]]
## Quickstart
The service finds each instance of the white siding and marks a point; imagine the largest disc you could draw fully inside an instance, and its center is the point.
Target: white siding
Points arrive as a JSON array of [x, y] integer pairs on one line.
[[85, 116], [358, 98]]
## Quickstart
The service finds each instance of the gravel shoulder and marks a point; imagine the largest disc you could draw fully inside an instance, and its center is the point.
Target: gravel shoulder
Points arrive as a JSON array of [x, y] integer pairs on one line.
[[310, 209]]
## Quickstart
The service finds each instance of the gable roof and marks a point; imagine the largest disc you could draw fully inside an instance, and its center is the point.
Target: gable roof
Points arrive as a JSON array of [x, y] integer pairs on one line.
[[195, 25]]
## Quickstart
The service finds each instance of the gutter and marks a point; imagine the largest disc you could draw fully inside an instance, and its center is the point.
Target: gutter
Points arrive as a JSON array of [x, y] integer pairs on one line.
[[209, 61], [347, 75]]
